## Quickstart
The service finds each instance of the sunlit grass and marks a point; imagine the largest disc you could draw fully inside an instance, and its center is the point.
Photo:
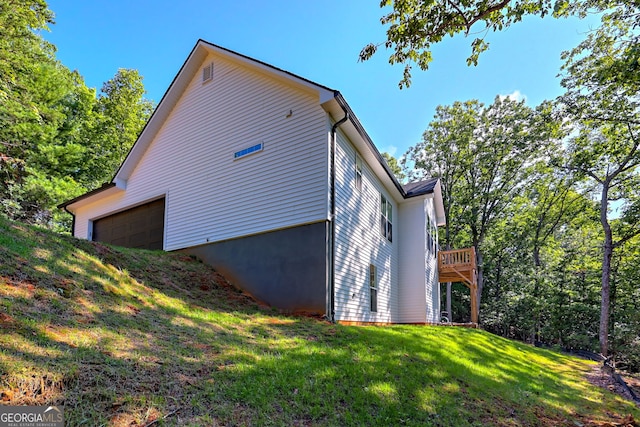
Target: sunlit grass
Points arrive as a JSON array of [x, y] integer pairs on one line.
[[124, 337]]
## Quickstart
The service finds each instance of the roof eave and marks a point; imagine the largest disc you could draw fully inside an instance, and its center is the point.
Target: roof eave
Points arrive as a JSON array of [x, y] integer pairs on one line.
[[356, 132], [105, 189], [171, 97]]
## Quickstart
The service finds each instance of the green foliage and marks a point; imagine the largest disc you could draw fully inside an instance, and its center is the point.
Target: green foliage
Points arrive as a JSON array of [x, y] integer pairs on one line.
[[485, 156], [392, 162], [413, 26], [602, 100], [56, 139], [625, 300], [123, 112]]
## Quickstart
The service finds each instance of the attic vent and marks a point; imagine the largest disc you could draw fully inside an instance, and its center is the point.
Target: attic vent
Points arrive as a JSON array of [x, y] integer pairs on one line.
[[207, 73]]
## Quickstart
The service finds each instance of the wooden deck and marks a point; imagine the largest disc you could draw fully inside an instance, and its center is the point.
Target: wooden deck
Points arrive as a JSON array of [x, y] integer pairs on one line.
[[460, 266]]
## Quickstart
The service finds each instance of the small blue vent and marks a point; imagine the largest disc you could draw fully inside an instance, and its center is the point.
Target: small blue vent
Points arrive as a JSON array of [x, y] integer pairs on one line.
[[248, 150]]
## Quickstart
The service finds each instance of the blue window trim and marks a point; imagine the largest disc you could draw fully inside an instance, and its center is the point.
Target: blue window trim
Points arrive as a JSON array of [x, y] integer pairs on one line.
[[249, 150]]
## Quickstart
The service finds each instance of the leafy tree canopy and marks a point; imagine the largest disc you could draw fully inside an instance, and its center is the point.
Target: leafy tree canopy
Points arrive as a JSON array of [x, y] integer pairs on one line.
[[415, 25], [392, 162]]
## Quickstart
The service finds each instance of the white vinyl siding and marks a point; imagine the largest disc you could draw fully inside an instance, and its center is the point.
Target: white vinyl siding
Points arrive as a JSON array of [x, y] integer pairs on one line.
[[419, 296], [432, 287], [211, 197], [359, 244]]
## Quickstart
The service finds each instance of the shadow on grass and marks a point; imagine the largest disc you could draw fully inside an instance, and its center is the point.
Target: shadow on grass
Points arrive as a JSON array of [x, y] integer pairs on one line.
[[122, 337]]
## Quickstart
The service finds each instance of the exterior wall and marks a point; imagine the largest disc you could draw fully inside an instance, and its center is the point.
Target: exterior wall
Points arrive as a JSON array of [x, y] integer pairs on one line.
[[411, 230], [419, 288], [359, 243], [432, 286], [285, 268], [212, 197]]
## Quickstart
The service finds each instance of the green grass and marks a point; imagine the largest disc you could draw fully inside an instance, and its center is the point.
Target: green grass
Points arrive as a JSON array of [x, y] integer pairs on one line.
[[125, 337]]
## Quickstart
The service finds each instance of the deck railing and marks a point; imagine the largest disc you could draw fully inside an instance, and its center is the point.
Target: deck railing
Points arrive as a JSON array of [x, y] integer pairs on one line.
[[458, 259], [459, 265]]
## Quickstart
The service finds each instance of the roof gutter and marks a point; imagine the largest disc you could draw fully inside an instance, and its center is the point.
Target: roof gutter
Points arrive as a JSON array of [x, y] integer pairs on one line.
[[331, 314], [363, 133], [73, 220]]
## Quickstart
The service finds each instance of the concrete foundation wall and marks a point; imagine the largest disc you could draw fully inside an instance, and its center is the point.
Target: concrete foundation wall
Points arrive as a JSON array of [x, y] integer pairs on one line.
[[286, 268]]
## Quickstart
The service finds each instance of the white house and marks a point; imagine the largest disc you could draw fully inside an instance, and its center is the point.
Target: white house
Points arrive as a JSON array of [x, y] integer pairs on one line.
[[272, 179]]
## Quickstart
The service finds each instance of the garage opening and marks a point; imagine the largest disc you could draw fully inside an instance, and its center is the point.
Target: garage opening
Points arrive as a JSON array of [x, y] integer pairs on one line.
[[140, 227]]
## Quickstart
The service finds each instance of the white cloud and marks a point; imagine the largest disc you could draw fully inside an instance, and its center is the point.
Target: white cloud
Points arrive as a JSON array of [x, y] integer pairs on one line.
[[516, 95], [391, 149]]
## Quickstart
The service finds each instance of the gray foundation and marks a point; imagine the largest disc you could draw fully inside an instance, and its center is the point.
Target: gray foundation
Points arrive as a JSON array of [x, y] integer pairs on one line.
[[286, 269]]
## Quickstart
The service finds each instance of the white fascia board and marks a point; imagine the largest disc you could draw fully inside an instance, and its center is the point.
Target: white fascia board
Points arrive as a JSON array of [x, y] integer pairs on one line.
[[120, 183], [324, 93], [97, 196], [182, 80], [161, 113], [336, 112], [439, 205]]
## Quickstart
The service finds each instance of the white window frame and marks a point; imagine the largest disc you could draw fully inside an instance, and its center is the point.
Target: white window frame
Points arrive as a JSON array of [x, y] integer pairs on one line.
[[358, 171], [386, 218], [373, 288]]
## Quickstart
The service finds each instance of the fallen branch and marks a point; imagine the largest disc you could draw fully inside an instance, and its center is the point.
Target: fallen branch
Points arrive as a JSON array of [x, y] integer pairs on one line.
[[622, 382], [163, 418]]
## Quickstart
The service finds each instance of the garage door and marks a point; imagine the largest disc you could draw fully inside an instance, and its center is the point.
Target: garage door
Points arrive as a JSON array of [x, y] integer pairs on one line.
[[139, 227]]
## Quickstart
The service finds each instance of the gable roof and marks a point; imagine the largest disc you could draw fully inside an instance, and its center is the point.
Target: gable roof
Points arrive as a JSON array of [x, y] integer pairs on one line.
[[427, 186], [331, 100]]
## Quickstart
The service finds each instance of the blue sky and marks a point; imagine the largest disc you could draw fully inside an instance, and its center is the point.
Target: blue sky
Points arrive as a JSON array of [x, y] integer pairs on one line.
[[318, 40]]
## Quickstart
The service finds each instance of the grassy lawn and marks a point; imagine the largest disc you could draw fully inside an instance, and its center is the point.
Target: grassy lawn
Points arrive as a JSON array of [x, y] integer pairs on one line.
[[125, 337]]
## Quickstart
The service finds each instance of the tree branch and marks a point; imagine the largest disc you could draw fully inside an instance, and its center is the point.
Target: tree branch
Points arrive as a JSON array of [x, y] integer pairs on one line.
[[625, 164], [466, 21], [491, 9], [626, 238]]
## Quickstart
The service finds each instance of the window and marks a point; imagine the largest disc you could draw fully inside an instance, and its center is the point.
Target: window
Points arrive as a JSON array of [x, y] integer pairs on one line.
[[386, 218], [358, 173], [248, 150], [432, 235], [207, 73], [373, 288]]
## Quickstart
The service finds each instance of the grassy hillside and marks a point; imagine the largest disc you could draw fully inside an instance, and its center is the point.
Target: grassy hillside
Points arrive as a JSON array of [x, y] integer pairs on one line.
[[127, 337]]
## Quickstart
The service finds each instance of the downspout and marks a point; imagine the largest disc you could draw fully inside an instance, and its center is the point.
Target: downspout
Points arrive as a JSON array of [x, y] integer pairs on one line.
[[73, 221], [332, 231]]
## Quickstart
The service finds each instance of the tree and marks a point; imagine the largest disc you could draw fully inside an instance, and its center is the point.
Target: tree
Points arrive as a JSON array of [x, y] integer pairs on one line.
[[525, 240], [392, 162], [609, 156], [602, 83], [415, 25], [123, 111], [22, 120], [625, 300], [56, 139], [439, 155], [44, 109], [56, 161], [485, 157]]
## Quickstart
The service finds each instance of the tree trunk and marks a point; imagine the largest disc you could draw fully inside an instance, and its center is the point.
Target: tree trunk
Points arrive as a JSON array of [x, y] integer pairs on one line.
[[480, 278], [447, 237], [606, 270], [449, 301]]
